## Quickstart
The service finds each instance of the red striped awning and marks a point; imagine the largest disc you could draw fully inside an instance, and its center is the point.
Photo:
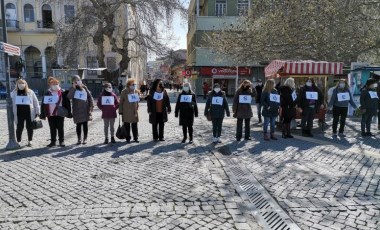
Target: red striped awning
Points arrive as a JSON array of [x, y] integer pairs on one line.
[[303, 68]]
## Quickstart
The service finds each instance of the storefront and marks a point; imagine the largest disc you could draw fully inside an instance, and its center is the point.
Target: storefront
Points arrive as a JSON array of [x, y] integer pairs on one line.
[[229, 78]]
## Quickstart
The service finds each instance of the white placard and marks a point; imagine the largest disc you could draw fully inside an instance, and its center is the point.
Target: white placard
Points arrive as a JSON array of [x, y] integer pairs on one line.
[[245, 99], [133, 97], [186, 98], [373, 94], [294, 96], [217, 101], [22, 100], [312, 95], [50, 99], [108, 100], [274, 97], [81, 95], [343, 96], [158, 96]]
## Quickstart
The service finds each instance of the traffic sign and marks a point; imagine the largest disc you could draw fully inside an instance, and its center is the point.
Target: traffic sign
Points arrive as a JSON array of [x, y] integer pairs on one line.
[[10, 49]]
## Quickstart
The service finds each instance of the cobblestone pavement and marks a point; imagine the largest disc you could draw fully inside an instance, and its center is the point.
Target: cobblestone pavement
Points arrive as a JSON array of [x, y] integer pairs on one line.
[[322, 183]]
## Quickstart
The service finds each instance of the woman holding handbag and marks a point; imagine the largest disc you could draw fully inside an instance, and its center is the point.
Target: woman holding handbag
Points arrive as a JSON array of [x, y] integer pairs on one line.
[[83, 105], [25, 109], [187, 109], [55, 107], [108, 103]]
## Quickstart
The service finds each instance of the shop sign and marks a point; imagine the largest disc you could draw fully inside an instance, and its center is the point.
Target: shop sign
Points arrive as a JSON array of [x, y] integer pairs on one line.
[[210, 71]]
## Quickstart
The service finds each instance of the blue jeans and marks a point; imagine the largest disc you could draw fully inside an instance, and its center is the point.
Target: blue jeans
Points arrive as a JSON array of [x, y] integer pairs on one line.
[[258, 105], [267, 121]]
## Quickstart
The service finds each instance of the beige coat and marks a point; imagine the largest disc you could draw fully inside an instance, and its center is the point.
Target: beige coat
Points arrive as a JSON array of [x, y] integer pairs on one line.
[[130, 110]]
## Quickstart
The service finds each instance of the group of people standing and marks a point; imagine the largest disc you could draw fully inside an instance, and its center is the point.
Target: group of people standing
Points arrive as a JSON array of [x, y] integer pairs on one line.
[[272, 103]]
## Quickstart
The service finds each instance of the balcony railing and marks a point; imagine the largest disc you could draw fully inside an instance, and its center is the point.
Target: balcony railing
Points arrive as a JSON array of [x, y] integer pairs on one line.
[[46, 25], [11, 23]]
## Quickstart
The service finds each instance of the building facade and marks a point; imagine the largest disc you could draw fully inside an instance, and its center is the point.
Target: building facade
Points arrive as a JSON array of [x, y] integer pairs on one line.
[[209, 16], [30, 25]]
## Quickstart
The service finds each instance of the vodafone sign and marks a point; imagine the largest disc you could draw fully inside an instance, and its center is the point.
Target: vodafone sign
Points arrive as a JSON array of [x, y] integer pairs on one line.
[[210, 71], [186, 73]]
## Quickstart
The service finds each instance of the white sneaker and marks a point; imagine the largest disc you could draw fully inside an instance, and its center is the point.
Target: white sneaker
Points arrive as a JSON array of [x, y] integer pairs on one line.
[[215, 140], [219, 141], [30, 144]]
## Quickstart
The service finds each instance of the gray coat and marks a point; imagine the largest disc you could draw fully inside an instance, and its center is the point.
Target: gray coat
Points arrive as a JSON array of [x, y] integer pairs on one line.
[[81, 108], [334, 99], [240, 110]]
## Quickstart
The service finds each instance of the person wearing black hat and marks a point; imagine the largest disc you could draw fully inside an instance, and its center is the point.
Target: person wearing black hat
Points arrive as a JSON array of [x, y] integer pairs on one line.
[[259, 90], [216, 105], [368, 106]]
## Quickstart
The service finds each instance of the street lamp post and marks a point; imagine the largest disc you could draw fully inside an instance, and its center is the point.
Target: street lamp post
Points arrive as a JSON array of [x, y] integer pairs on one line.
[[12, 144]]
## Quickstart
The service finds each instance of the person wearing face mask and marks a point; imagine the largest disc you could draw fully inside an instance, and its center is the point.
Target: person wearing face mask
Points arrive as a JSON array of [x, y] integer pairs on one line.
[[271, 103], [158, 109], [339, 101], [54, 98], [288, 103], [108, 103], [129, 110], [83, 105], [216, 105], [187, 109], [25, 109], [310, 101], [242, 109], [259, 90], [369, 106]]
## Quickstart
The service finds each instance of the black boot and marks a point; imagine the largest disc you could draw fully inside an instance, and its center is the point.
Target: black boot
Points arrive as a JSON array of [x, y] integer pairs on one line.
[[288, 135], [113, 140], [106, 141], [284, 131]]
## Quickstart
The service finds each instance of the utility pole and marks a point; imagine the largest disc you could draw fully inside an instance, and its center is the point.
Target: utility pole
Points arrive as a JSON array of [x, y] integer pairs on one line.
[[12, 144]]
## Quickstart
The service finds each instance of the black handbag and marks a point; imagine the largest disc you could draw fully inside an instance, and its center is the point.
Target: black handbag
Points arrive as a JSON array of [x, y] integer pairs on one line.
[[37, 124], [121, 133]]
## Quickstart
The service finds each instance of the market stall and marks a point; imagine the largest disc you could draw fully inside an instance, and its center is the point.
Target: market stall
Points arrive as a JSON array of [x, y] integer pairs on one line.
[[300, 71]]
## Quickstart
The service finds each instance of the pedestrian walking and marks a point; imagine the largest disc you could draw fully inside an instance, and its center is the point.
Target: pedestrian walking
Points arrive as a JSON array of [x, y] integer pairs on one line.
[[309, 103], [55, 107], [270, 100], [108, 103], [205, 89], [242, 109], [25, 109], [158, 109], [259, 90], [82, 107], [288, 103], [186, 107], [368, 106], [340, 98], [121, 87], [216, 106], [129, 110]]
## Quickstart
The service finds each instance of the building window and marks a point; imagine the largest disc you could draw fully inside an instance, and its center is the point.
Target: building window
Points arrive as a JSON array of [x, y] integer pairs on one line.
[[92, 62], [11, 15], [28, 13], [111, 63], [242, 7], [69, 14], [220, 8]]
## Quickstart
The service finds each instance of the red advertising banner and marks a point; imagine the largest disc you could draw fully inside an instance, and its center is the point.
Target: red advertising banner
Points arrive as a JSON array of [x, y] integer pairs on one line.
[[186, 73], [210, 71]]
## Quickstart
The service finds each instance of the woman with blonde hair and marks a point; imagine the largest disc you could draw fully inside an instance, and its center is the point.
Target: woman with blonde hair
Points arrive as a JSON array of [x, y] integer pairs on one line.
[[129, 109], [83, 105], [55, 107], [187, 109], [270, 101], [25, 109], [288, 106], [242, 109]]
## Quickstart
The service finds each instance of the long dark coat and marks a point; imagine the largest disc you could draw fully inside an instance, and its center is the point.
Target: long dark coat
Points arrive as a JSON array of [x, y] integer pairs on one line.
[[187, 111], [81, 109], [242, 110], [288, 105], [217, 111], [152, 107], [270, 108]]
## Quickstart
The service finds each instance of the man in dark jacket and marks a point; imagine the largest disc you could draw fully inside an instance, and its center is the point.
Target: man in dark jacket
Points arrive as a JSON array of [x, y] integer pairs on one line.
[[259, 90], [368, 105]]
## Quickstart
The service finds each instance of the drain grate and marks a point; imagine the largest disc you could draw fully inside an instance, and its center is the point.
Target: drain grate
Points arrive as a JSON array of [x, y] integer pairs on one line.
[[259, 202]]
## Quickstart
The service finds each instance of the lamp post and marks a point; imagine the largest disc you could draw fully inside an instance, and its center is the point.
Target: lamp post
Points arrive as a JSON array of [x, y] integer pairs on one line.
[[12, 144]]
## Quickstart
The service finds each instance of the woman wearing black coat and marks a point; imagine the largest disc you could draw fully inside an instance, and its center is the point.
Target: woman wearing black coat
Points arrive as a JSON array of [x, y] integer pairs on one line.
[[288, 106], [187, 109], [158, 109]]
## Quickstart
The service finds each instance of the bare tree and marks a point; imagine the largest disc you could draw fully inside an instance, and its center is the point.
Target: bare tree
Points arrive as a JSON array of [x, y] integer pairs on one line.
[[95, 23], [330, 30]]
